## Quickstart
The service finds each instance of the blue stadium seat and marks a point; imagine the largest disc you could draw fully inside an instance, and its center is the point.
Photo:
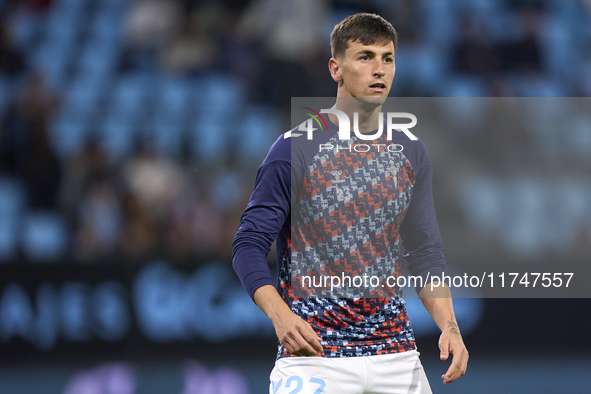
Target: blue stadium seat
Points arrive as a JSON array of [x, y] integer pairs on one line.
[[174, 97], [580, 137], [107, 24], [223, 190], [167, 135], [5, 95], [464, 87], [53, 57], [213, 128], [197, 87], [420, 66], [215, 98], [130, 96], [464, 113], [258, 129], [8, 239], [63, 24], [84, 94], [572, 195], [480, 203], [222, 92], [45, 236], [117, 136], [115, 4], [208, 141], [482, 7], [12, 195], [538, 87], [68, 135], [98, 57], [25, 26], [438, 17], [72, 4], [558, 46], [12, 202], [526, 233]]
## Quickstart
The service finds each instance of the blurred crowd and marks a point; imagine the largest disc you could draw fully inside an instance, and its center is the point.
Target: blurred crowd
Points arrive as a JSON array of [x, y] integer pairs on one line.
[[108, 193]]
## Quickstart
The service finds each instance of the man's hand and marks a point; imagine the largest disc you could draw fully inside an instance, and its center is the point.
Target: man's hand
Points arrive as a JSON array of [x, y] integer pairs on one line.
[[439, 304], [451, 341], [296, 334]]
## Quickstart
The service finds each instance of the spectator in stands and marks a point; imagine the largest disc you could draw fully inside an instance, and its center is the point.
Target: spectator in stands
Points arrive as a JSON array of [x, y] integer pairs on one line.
[[40, 168], [140, 237], [523, 55], [12, 62], [195, 48], [26, 149], [475, 54], [290, 32], [26, 111], [79, 171], [100, 221], [151, 24], [151, 183], [153, 179], [38, 5]]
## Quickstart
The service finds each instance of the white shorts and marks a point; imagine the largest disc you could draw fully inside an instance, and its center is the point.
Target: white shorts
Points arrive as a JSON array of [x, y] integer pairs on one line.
[[399, 373]]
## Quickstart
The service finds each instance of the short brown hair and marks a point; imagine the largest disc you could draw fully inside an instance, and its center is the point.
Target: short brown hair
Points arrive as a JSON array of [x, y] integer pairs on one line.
[[368, 29]]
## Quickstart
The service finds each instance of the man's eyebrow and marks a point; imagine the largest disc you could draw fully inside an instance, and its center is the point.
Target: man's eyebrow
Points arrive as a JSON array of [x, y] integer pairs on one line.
[[366, 52], [372, 53]]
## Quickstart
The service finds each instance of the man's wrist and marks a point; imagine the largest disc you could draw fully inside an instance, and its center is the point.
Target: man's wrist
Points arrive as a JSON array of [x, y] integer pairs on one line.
[[452, 328], [280, 314]]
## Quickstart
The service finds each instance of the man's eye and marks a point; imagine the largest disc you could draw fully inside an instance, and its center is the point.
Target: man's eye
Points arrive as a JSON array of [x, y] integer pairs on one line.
[[388, 60], [364, 57]]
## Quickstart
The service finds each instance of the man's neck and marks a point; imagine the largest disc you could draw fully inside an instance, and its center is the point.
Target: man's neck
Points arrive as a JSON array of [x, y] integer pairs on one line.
[[367, 114]]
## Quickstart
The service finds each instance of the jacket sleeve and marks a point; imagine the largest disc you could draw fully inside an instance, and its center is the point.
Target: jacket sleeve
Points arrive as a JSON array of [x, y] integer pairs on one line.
[[419, 230], [266, 213]]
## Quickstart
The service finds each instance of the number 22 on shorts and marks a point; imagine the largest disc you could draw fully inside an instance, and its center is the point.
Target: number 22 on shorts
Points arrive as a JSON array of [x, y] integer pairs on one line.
[[299, 384]]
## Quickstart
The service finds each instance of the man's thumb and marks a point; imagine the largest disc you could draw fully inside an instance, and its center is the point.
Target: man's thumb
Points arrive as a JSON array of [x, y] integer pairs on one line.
[[444, 353]]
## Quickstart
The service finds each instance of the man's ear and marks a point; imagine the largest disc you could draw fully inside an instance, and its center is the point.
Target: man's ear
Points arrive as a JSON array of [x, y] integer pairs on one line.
[[335, 72]]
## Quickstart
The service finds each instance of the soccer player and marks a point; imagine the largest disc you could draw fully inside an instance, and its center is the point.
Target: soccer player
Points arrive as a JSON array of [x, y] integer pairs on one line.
[[366, 204]]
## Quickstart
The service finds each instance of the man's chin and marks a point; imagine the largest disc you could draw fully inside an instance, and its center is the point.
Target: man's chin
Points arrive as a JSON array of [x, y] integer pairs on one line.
[[372, 101]]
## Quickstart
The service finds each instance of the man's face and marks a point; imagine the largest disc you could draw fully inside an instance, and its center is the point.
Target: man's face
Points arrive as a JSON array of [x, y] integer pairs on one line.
[[365, 71]]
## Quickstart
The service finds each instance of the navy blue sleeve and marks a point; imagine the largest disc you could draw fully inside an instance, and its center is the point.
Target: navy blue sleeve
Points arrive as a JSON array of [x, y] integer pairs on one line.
[[420, 231], [266, 213]]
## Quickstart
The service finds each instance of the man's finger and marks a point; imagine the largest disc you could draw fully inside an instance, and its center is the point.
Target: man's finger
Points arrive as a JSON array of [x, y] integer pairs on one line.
[[453, 368], [303, 353], [456, 370], [299, 352], [303, 346], [451, 375], [313, 339], [316, 346], [293, 348], [287, 345], [444, 350]]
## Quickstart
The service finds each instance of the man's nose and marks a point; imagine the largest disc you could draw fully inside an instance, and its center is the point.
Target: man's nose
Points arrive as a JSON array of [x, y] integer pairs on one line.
[[379, 69]]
